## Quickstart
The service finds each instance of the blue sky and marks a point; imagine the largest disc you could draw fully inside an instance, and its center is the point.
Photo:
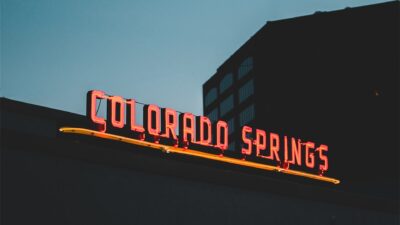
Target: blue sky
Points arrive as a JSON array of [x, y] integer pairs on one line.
[[159, 52]]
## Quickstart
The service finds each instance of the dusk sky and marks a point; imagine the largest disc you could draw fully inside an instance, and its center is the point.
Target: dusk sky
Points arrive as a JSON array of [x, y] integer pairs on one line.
[[159, 52]]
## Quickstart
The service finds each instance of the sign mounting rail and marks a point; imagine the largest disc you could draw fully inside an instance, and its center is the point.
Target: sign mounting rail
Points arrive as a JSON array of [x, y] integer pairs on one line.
[[195, 153]]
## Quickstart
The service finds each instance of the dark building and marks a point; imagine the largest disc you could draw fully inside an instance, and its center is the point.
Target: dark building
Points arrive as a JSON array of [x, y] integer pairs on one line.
[[52, 177], [332, 77], [49, 177]]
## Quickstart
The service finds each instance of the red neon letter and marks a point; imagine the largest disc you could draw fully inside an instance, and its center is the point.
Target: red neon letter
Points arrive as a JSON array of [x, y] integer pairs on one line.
[[91, 109], [274, 146], [296, 152], [245, 130], [285, 148], [203, 127], [261, 141], [309, 155], [169, 123], [131, 116], [152, 119], [323, 157], [116, 111], [186, 127], [222, 133]]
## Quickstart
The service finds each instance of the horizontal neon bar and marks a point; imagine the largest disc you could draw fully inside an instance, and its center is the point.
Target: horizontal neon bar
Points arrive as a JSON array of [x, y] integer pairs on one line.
[[171, 149]]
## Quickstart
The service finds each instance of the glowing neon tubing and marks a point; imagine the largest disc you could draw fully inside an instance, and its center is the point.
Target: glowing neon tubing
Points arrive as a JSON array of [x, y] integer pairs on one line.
[[190, 152]]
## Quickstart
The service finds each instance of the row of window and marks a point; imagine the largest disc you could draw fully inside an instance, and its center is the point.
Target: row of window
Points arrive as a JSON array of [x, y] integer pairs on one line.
[[245, 67], [232, 146], [231, 125], [245, 117], [245, 92], [227, 81], [211, 96], [227, 104], [213, 115]]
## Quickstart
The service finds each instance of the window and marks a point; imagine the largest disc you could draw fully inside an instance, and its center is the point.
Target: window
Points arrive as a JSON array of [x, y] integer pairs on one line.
[[245, 67], [231, 125], [213, 115], [231, 146], [247, 115], [225, 83], [226, 105], [210, 97], [246, 90]]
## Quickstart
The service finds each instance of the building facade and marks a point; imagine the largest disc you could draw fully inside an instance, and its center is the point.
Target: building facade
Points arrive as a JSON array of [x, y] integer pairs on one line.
[[51, 177], [348, 100], [332, 77]]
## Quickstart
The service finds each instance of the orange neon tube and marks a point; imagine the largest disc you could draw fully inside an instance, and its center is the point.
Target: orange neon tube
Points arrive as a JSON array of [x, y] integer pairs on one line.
[[190, 152]]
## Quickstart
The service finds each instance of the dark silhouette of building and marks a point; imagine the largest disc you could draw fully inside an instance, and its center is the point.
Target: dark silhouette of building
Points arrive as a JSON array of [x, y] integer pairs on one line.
[[51, 177], [330, 77]]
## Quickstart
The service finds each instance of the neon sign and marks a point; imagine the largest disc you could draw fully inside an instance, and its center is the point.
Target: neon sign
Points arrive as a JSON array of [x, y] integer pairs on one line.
[[295, 156], [158, 122], [160, 126]]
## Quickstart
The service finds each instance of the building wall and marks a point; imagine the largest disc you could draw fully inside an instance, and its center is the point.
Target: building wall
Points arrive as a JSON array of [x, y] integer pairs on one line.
[[46, 189], [332, 78], [48, 177]]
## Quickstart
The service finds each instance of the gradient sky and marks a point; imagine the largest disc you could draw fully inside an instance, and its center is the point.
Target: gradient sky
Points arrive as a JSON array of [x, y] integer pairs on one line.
[[159, 52]]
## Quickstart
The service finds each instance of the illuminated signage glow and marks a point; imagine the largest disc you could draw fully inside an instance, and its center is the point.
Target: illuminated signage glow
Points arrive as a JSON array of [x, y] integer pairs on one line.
[[158, 122], [195, 153], [159, 131]]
